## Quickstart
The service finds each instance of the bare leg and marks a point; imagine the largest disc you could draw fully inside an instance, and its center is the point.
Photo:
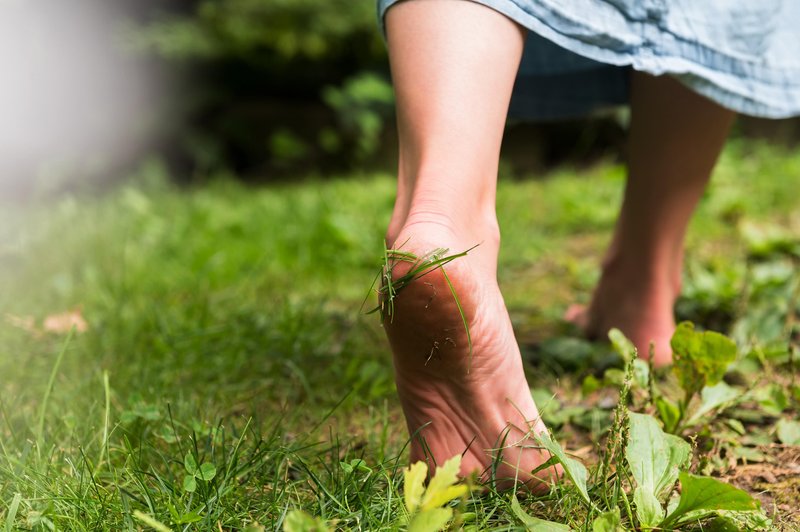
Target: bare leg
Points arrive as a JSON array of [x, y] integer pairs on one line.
[[453, 64], [676, 136]]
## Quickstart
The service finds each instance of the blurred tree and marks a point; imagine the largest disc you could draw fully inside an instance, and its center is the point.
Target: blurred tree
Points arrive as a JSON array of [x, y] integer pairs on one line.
[[269, 85], [290, 29]]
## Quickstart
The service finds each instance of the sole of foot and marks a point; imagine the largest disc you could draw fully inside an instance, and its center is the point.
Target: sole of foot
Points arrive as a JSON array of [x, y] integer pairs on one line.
[[458, 368]]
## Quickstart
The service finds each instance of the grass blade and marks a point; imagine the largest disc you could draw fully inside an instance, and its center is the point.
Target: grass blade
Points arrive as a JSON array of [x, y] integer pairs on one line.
[[11, 516], [151, 521], [49, 389]]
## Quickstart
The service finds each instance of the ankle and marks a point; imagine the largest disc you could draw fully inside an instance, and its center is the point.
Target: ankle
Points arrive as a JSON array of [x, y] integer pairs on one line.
[[645, 277], [460, 199], [432, 224]]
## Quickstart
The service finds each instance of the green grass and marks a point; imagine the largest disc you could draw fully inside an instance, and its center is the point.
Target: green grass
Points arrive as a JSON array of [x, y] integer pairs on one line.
[[224, 324]]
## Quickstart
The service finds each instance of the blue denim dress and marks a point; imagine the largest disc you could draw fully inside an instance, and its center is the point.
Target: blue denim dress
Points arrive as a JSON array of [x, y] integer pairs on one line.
[[743, 54]]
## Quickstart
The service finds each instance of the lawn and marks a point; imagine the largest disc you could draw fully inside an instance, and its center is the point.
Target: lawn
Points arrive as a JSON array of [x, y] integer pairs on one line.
[[199, 359]]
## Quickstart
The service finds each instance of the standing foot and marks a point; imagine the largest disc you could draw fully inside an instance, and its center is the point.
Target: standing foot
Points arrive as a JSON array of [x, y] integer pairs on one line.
[[462, 389], [642, 309]]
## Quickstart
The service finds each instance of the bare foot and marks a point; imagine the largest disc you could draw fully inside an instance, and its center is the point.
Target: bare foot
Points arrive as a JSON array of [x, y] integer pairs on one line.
[[473, 402], [642, 310]]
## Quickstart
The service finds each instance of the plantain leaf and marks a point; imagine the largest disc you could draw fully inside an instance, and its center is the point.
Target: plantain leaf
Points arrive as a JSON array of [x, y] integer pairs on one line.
[[654, 456], [669, 413], [575, 470], [655, 459], [648, 509], [622, 345], [608, 522], [713, 398], [534, 524], [702, 497]]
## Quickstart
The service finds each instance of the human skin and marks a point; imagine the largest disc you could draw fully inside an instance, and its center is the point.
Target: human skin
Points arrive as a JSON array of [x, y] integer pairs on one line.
[[453, 66], [676, 136]]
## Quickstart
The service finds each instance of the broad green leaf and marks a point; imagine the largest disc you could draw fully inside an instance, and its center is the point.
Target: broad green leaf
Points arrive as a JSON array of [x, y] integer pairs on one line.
[[549, 407], [721, 524], [614, 377], [190, 464], [712, 398], [641, 373], [704, 496], [669, 412], [589, 385], [655, 457], [189, 483], [575, 470], [788, 432], [750, 521], [413, 485], [608, 522], [700, 358], [622, 345], [534, 524], [772, 399], [206, 472], [649, 510], [443, 487], [765, 240], [751, 454], [430, 520], [299, 521]]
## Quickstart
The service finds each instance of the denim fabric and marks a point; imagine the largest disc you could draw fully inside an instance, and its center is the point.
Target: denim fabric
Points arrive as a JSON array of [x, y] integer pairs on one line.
[[743, 54]]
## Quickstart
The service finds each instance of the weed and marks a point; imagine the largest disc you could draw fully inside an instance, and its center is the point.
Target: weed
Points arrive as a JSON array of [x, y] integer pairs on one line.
[[222, 323]]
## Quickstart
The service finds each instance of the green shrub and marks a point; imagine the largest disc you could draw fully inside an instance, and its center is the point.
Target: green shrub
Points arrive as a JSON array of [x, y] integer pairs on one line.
[[291, 29], [275, 85]]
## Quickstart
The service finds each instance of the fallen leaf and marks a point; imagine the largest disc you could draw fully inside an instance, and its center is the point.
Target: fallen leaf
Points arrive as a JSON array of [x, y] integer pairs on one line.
[[64, 322], [26, 323]]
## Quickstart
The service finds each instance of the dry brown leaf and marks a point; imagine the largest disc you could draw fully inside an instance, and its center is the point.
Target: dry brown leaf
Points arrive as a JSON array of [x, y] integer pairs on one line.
[[26, 323], [64, 322]]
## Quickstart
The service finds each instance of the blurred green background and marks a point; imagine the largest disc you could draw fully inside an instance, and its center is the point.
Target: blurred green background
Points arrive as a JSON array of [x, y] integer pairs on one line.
[[269, 85], [271, 90]]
